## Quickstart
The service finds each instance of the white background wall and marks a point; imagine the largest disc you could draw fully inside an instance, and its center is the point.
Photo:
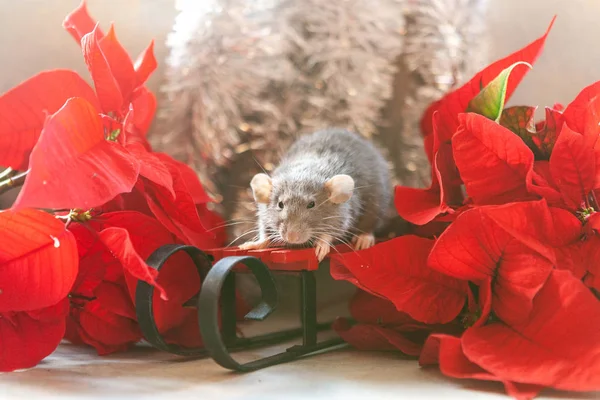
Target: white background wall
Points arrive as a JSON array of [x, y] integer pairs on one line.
[[32, 39], [571, 59]]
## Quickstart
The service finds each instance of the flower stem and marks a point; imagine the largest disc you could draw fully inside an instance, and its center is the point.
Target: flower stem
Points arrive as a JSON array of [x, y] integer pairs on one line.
[[7, 173], [12, 182]]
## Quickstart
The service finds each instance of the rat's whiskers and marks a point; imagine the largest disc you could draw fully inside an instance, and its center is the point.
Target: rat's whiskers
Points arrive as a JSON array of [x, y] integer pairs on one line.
[[230, 224], [244, 234]]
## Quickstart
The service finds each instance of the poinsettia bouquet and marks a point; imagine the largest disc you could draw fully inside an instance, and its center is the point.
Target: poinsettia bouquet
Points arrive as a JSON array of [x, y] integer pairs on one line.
[[95, 202], [499, 280]]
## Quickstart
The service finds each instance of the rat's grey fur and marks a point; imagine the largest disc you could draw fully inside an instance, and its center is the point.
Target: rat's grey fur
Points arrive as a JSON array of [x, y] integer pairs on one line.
[[300, 178]]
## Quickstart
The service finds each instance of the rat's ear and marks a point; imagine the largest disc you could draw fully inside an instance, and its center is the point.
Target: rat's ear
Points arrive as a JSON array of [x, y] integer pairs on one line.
[[261, 187], [340, 188]]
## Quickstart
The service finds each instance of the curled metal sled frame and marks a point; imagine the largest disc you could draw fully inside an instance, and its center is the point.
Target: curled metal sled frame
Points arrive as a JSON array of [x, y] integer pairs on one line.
[[218, 292]]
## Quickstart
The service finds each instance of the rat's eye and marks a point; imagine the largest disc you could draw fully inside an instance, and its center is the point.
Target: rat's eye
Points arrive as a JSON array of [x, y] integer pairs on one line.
[[280, 204], [311, 204]]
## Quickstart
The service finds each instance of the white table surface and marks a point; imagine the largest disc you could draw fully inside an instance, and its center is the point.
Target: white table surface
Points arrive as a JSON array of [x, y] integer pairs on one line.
[[142, 373], [75, 372]]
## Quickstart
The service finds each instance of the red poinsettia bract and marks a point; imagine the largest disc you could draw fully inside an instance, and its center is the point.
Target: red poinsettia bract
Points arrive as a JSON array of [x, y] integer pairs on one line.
[[95, 203], [505, 247], [38, 265]]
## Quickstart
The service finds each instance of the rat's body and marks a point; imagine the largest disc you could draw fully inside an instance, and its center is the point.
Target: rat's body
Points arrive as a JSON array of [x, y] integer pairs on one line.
[[329, 185]]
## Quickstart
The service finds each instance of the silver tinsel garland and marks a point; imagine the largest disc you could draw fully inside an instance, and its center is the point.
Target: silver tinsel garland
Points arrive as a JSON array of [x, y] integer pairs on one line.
[[245, 77]]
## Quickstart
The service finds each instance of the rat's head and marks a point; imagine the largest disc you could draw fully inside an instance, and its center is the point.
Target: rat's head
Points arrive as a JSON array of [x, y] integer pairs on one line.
[[297, 211]]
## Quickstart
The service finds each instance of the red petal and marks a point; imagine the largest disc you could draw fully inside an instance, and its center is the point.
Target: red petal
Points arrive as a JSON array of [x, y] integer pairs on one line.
[[145, 64], [397, 270], [24, 108], [115, 298], [144, 105], [72, 145], [180, 280], [475, 248], [130, 134], [106, 329], [26, 338], [472, 245], [591, 135], [107, 88], [79, 23], [119, 63], [543, 185], [374, 337], [38, 260], [178, 277], [187, 333], [419, 206], [573, 167], [522, 391], [366, 308], [430, 354], [132, 201], [574, 258], [577, 111], [189, 176], [118, 242], [558, 346], [179, 215], [454, 363], [151, 167], [553, 226], [485, 301], [447, 351], [591, 260], [95, 262], [545, 137], [494, 163], [456, 101]]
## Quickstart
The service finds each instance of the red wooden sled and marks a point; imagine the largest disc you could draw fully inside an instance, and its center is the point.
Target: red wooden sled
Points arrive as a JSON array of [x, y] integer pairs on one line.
[[217, 268]]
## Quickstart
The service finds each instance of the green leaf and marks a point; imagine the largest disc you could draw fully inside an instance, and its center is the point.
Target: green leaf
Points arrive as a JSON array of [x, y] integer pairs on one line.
[[114, 135], [490, 101]]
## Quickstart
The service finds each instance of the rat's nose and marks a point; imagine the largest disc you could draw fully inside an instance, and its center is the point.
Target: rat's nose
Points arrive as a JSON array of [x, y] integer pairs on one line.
[[292, 237]]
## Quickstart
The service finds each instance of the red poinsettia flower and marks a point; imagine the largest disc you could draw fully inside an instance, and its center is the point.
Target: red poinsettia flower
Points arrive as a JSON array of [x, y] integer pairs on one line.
[[439, 123], [119, 82], [120, 112], [119, 89]]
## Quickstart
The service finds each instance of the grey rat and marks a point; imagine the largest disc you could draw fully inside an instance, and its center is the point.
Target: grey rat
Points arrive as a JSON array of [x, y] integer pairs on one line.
[[329, 185]]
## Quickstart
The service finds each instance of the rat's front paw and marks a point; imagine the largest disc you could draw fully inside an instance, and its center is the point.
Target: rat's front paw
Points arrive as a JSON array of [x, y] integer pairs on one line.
[[363, 241], [256, 245], [321, 250]]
